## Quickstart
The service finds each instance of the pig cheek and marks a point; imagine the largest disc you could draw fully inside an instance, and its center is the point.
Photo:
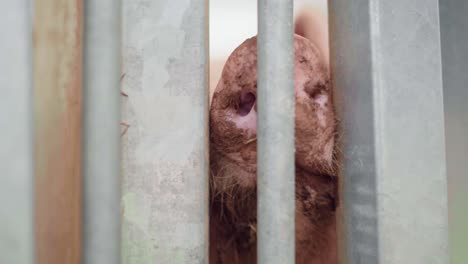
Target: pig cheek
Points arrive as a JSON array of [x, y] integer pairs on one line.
[[314, 141], [306, 152]]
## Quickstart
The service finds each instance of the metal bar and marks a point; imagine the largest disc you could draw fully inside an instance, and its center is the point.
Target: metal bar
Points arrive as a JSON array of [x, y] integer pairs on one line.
[[275, 132], [101, 147], [16, 121], [57, 89], [165, 148], [386, 66], [454, 37]]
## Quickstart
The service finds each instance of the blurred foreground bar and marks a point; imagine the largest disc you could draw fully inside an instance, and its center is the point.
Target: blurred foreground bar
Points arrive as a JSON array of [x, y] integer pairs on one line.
[[101, 140], [386, 65], [275, 132], [57, 103], [16, 142], [165, 150]]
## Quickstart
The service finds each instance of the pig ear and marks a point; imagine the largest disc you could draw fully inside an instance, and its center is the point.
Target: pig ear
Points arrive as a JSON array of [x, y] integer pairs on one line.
[[312, 24]]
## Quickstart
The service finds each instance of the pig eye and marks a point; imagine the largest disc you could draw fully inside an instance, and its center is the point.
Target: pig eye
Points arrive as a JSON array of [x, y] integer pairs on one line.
[[246, 103]]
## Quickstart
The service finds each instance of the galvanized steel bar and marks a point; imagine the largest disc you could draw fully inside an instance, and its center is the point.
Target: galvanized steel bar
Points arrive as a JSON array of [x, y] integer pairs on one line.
[[165, 148], [275, 132], [386, 65], [454, 37], [101, 132], [16, 142]]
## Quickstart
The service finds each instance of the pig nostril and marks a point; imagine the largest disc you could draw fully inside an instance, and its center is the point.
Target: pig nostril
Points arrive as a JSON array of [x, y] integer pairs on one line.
[[246, 103]]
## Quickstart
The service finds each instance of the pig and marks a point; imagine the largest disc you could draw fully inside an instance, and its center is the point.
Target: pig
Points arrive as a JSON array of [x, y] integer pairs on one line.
[[233, 158]]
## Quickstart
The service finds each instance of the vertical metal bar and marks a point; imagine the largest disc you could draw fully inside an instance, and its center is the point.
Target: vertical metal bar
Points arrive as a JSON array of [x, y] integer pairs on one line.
[[386, 66], [57, 89], [275, 132], [454, 37], [16, 142], [102, 132], [165, 107]]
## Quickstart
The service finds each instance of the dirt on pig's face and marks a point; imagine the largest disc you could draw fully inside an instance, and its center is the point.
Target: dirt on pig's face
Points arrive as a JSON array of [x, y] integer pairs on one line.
[[233, 128]]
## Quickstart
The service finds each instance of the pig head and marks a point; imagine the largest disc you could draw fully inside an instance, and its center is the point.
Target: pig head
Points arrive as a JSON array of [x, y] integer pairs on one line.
[[233, 158]]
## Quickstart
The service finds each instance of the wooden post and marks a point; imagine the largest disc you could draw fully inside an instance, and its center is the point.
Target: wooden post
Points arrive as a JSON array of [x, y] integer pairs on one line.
[[57, 88]]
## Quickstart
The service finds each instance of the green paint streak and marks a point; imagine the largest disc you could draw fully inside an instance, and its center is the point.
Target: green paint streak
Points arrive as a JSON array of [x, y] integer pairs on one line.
[[179, 256], [137, 247], [136, 210], [136, 250]]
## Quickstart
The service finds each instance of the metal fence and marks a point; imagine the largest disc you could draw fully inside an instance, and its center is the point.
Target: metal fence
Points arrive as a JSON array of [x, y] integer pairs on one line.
[[150, 204], [386, 61]]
